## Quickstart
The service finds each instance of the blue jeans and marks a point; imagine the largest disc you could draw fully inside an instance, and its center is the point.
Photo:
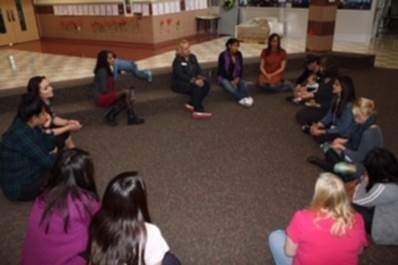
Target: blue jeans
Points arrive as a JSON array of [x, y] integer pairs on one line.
[[285, 86], [130, 67], [276, 241], [238, 91]]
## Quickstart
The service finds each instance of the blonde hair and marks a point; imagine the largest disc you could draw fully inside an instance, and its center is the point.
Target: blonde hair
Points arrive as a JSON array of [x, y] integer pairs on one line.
[[330, 200], [181, 45], [364, 106]]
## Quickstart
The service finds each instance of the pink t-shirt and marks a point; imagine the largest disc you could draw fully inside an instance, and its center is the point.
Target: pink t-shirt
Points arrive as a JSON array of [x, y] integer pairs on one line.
[[317, 246], [57, 247]]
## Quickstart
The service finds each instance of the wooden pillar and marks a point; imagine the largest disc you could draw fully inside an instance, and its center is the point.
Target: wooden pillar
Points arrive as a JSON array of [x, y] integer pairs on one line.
[[321, 22]]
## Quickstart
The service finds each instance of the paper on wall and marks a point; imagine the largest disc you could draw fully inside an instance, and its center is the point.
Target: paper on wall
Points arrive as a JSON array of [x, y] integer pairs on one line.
[[145, 9]]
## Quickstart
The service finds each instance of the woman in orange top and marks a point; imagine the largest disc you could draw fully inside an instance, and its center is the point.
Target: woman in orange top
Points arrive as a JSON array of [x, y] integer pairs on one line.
[[272, 66]]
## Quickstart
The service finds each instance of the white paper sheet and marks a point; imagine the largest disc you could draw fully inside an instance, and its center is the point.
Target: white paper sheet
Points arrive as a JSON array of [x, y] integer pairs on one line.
[[145, 9], [155, 9]]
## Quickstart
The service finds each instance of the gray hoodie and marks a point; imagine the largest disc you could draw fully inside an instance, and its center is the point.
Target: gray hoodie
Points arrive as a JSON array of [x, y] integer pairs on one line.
[[384, 197]]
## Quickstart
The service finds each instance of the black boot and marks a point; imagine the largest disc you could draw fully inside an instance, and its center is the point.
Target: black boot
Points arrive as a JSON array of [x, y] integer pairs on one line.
[[132, 118], [110, 116]]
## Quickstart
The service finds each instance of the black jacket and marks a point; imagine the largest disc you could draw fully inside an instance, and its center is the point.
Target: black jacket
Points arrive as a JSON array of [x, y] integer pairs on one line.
[[324, 95], [185, 71]]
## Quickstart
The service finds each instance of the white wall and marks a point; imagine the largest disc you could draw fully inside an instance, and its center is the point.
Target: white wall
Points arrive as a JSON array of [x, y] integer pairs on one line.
[[228, 20], [351, 25], [295, 19]]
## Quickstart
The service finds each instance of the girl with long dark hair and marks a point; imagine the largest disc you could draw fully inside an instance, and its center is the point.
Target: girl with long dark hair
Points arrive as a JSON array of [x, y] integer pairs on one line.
[[121, 232], [60, 217], [376, 196], [339, 120], [61, 128], [273, 65], [106, 94]]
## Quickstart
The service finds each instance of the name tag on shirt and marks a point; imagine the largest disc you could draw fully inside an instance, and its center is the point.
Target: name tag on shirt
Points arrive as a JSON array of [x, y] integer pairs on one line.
[[184, 63]]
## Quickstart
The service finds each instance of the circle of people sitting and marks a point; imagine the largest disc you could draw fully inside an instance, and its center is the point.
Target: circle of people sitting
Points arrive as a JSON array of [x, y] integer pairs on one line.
[[69, 224]]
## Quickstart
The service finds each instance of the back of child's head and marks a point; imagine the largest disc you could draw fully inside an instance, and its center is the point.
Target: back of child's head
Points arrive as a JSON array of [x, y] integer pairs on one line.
[[330, 196], [72, 177], [29, 106], [381, 166], [118, 229]]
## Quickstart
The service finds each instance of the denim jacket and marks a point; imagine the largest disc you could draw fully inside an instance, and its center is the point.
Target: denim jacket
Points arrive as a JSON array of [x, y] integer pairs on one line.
[[342, 125]]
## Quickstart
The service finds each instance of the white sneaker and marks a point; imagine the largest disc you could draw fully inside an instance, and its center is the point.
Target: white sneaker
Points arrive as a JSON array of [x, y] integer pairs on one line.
[[243, 102], [246, 102], [250, 101]]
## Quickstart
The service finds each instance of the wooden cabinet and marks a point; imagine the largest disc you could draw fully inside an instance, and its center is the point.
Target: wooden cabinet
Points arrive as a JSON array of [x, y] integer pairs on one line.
[[17, 22]]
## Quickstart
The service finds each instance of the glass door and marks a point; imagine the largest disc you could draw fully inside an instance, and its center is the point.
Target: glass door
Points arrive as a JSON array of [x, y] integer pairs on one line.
[[7, 35]]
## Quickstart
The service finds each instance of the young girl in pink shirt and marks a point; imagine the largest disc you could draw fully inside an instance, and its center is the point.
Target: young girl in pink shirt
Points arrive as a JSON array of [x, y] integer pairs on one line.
[[59, 221], [329, 232]]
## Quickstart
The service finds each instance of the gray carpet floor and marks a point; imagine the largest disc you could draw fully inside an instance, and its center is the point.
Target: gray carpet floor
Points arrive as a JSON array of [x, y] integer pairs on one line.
[[216, 188]]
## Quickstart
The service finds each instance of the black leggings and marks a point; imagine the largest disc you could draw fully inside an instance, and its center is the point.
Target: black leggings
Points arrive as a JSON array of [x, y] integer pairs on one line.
[[308, 116], [327, 137], [198, 94], [367, 214]]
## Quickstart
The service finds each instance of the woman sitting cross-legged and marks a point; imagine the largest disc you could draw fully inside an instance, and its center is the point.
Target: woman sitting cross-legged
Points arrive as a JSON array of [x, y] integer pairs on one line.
[[61, 128], [365, 136], [188, 79], [230, 71], [122, 232], [307, 83], [329, 232], [272, 67], [106, 94], [339, 120], [58, 226], [317, 106], [376, 196]]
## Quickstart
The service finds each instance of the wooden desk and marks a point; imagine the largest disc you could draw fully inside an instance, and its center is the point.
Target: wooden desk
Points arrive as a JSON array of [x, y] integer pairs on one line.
[[209, 23]]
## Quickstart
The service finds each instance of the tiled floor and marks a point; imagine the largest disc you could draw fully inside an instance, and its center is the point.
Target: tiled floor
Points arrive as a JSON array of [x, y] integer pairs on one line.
[[60, 68]]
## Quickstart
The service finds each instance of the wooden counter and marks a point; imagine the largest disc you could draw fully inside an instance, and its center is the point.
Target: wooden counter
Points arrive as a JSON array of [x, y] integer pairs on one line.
[[124, 27]]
